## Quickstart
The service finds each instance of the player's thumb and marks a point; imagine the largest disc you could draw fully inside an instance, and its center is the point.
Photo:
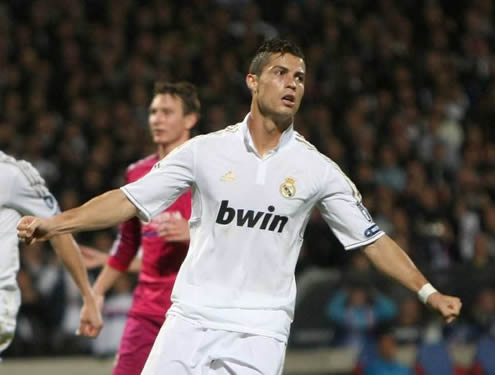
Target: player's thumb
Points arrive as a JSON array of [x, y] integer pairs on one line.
[[24, 222], [33, 225]]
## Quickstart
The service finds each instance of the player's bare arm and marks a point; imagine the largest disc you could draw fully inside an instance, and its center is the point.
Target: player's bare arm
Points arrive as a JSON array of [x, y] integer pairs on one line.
[[103, 211], [68, 251], [390, 259]]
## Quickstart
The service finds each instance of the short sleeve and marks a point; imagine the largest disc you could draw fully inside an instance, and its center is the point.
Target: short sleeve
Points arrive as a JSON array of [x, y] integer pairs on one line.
[[342, 209], [29, 195], [160, 187]]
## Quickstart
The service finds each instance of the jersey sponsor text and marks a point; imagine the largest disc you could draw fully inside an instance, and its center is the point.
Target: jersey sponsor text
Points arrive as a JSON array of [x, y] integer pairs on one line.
[[250, 218]]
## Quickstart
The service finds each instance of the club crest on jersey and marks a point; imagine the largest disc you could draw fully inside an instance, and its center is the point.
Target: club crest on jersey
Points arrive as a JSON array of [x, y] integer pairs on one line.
[[288, 188], [49, 201]]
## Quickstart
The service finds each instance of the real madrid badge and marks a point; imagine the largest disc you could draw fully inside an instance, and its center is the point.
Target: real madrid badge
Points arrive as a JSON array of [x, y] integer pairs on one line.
[[288, 188]]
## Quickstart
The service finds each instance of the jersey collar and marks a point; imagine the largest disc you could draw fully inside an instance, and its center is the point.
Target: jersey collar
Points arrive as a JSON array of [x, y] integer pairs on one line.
[[285, 138]]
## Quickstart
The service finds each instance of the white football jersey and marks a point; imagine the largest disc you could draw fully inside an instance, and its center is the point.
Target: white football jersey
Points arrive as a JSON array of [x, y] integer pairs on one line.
[[247, 224], [22, 192]]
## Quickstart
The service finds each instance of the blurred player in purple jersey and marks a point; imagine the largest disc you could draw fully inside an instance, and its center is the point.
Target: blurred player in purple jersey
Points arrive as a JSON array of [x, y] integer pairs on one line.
[[173, 112]]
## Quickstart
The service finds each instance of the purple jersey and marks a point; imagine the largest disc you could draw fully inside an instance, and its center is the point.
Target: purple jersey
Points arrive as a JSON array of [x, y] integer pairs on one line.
[[160, 260]]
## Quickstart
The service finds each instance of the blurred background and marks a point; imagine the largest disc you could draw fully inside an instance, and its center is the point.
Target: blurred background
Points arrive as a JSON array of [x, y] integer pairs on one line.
[[401, 94]]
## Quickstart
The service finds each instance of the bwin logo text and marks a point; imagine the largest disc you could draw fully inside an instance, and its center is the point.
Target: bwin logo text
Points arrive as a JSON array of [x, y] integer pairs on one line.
[[250, 218]]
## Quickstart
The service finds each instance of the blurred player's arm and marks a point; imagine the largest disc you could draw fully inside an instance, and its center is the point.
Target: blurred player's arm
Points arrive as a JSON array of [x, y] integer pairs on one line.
[[389, 258], [174, 229], [68, 251], [103, 211], [121, 258], [107, 277], [94, 258], [31, 196]]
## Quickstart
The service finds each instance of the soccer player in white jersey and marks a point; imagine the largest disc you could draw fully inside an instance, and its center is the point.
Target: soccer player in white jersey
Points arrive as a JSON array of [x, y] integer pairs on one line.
[[23, 192], [253, 185]]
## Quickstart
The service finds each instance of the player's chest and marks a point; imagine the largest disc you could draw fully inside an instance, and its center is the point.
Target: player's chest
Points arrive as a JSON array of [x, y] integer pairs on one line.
[[247, 181]]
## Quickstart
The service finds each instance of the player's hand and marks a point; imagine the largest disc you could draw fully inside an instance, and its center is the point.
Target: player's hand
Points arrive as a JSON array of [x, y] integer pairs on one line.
[[91, 320], [31, 229], [93, 258], [449, 307], [174, 229]]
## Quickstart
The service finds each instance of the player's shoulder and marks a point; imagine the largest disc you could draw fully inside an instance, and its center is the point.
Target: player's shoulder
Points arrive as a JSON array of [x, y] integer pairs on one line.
[[146, 162], [11, 167], [8, 166], [140, 167], [309, 151], [317, 162], [227, 132]]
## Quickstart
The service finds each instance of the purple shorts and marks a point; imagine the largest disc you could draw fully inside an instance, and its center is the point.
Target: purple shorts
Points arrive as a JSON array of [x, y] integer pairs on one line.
[[138, 338]]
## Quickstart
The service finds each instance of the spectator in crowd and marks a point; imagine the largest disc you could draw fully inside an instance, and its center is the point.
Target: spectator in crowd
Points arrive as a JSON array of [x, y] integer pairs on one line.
[[408, 325], [484, 310], [383, 358], [357, 310]]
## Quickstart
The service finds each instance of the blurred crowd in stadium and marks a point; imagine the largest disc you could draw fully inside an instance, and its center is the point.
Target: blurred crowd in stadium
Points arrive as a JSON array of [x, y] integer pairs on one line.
[[401, 94]]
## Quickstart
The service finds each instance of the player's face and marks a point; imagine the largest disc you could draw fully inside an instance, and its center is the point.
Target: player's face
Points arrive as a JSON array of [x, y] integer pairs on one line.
[[280, 87], [167, 122]]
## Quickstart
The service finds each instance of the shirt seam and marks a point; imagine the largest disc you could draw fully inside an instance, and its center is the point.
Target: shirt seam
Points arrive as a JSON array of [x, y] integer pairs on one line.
[[365, 242], [136, 203], [322, 190]]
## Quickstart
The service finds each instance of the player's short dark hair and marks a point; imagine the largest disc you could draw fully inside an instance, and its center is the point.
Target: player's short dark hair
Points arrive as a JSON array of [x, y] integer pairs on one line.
[[269, 47], [186, 91]]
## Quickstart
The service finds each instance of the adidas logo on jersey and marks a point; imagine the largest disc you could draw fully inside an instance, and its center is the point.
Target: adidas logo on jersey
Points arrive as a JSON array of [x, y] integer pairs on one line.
[[250, 218], [228, 177]]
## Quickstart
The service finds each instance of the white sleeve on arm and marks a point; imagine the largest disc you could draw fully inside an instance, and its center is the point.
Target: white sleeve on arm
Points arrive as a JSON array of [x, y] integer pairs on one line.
[[29, 194], [161, 186], [342, 209]]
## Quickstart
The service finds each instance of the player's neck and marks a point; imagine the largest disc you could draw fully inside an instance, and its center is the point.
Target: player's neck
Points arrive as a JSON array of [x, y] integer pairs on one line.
[[265, 131], [166, 148]]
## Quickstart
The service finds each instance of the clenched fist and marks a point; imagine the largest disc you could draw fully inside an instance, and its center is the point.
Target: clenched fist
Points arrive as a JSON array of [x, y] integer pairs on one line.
[[91, 321], [31, 229], [449, 307]]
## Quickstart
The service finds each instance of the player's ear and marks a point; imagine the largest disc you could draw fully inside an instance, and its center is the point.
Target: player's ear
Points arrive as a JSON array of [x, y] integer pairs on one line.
[[252, 82], [191, 120]]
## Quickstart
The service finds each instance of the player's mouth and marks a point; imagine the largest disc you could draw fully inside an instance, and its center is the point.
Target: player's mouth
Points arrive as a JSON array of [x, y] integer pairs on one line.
[[158, 131], [289, 100]]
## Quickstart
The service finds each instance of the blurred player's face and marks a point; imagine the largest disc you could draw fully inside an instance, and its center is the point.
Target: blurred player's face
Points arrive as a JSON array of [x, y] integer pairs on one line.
[[168, 124], [279, 89]]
